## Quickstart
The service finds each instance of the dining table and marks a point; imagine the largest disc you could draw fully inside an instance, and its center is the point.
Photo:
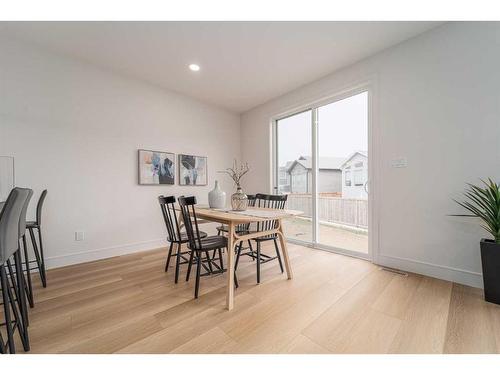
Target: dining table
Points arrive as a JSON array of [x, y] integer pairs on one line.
[[234, 218]]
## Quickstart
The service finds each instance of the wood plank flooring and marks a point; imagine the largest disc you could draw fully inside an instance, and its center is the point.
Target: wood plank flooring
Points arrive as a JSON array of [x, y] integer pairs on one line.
[[334, 304]]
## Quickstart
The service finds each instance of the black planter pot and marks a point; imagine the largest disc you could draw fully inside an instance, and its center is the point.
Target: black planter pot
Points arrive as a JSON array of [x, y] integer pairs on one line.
[[490, 258]]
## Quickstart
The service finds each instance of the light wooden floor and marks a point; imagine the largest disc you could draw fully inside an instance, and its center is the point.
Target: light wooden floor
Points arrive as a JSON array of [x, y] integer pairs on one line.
[[335, 304]]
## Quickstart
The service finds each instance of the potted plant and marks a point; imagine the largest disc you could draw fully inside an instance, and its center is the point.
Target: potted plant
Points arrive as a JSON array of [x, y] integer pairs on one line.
[[484, 203], [239, 200]]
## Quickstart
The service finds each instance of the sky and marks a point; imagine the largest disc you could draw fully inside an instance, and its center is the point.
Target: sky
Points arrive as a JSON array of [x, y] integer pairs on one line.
[[342, 129]]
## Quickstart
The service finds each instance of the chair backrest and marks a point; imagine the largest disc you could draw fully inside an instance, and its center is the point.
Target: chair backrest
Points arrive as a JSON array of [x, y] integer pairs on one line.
[[39, 207], [167, 205], [251, 203], [277, 202], [190, 221], [22, 218], [251, 200], [9, 223]]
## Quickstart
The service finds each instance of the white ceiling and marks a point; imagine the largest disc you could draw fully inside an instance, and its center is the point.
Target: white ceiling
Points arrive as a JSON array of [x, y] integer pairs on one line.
[[243, 64]]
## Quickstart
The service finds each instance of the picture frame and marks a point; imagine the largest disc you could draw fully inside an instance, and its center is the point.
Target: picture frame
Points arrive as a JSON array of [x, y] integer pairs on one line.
[[156, 167], [193, 170]]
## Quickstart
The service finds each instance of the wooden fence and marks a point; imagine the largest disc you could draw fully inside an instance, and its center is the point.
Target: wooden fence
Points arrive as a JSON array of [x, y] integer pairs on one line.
[[351, 212]]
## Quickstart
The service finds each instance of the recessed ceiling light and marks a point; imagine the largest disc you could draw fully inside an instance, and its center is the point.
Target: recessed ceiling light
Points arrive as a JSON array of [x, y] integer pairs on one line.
[[194, 67]]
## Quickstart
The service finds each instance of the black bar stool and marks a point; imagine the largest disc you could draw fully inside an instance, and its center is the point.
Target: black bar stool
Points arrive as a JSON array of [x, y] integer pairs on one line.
[[199, 246], [39, 257], [265, 201], [13, 289], [27, 283], [175, 236]]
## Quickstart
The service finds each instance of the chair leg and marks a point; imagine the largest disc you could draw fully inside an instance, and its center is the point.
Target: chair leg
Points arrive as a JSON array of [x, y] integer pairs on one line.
[[29, 286], [169, 255], [22, 299], [238, 253], [198, 269], [43, 274], [220, 259], [6, 308], [209, 261], [278, 254], [258, 262], [177, 262], [2, 345], [251, 248], [190, 265]]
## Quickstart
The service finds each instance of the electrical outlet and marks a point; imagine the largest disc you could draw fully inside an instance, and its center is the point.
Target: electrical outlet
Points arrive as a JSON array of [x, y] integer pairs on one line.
[[79, 236]]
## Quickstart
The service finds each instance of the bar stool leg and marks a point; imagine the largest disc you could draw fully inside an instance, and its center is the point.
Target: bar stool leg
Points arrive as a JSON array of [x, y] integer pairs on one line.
[[28, 272], [22, 306], [43, 274], [6, 308]]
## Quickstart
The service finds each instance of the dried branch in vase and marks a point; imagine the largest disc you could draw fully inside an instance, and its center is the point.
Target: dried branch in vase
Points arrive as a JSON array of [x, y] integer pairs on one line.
[[237, 172]]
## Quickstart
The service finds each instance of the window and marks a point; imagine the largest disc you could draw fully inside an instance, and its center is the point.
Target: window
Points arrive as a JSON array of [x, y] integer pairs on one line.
[[358, 177], [347, 178], [325, 147], [283, 176]]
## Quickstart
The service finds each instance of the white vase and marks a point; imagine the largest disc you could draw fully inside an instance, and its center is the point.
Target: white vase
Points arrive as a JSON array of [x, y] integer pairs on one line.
[[217, 198]]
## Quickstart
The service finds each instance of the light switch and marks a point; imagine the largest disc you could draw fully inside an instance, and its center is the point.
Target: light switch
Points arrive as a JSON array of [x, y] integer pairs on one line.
[[79, 236], [399, 162]]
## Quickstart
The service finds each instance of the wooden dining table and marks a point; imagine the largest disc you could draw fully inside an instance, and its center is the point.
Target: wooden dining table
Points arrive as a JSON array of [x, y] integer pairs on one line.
[[234, 218]]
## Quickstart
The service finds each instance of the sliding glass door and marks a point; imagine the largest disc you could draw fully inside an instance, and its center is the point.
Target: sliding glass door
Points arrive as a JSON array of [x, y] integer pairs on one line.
[[294, 147], [321, 162]]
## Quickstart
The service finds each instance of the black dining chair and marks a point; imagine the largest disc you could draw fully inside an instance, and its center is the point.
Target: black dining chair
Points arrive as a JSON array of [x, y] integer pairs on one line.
[[37, 249], [12, 282], [200, 247], [240, 229], [174, 234], [264, 201]]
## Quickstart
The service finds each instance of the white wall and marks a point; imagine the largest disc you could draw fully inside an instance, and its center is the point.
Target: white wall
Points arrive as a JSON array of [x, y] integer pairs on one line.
[[75, 130], [436, 102]]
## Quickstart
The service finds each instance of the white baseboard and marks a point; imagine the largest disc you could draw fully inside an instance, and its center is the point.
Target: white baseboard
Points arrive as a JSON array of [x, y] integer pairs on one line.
[[108, 252], [457, 275]]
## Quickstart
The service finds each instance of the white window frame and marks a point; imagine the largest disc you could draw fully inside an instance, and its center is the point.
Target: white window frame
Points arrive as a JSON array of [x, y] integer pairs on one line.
[[369, 86]]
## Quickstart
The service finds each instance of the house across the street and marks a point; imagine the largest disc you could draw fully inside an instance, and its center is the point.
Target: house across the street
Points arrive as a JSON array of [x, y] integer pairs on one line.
[[346, 176], [329, 179], [355, 176]]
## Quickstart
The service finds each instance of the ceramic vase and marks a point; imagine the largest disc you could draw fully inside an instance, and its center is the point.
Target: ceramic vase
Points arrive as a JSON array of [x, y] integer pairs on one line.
[[239, 200], [216, 197]]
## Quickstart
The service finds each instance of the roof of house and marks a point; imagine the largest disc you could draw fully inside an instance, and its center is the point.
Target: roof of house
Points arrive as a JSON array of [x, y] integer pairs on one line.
[[324, 163], [362, 153]]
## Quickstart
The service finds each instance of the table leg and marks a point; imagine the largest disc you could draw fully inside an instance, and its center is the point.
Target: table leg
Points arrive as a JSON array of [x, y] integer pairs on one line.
[[284, 249], [230, 266]]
